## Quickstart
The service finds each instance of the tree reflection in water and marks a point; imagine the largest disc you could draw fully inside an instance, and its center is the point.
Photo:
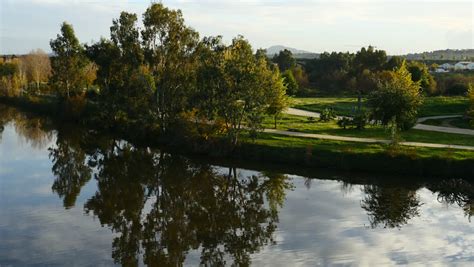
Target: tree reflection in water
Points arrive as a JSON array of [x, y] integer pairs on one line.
[[30, 128], [456, 191], [164, 206], [390, 207]]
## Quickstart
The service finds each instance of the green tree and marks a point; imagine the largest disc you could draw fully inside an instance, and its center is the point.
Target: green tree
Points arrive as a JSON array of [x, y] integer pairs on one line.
[[471, 98], [69, 61], [397, 99], [394, 63], [420, 73], [285, 60], [237, 87], [366, 63], [278, 98], [170, 48], [290, 82]]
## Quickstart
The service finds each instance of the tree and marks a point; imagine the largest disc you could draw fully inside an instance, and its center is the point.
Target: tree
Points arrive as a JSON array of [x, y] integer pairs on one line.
[[290, 82], [69, 61], [170, 52], [366, 63], [278, 98], [285, 60], [420, 73], [396, 99], [471, 98], [236, 86], [394, 63], [330, 71], [38, 67]]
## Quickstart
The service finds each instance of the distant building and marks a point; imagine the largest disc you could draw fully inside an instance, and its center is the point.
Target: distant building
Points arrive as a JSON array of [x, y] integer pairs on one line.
[[464, 65], [447, 66], [441, 70]]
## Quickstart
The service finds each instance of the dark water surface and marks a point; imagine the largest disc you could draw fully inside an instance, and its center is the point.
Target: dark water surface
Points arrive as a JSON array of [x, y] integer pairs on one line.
[[70, 197]]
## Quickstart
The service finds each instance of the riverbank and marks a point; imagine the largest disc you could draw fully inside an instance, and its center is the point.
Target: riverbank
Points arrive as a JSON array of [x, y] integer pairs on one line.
[[297, 151]]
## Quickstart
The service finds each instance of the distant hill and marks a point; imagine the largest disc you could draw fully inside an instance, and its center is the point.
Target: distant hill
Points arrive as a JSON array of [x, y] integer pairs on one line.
[[297, 53], [444, 55]]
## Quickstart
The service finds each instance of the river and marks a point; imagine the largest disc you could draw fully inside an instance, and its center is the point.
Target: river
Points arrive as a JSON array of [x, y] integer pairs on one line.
[[73, 197]]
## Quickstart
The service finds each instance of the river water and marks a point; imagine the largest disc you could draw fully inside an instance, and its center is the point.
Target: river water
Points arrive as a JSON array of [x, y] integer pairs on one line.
[[72, 197]]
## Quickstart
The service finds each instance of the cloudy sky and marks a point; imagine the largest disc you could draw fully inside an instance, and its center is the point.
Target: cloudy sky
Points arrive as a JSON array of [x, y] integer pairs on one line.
[[399, 27]]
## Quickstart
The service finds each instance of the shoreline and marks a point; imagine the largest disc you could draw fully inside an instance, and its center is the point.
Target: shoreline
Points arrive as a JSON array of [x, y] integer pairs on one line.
[[298, 152]]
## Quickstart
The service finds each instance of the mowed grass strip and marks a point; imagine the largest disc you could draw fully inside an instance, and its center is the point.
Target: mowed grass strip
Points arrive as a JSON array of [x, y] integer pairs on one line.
[[345, 106], [303, 124]]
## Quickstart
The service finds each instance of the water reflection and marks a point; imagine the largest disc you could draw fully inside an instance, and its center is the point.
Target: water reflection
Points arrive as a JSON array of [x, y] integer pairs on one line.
[[164, 208], [456, 191], [390, 207], [165, 205], [33, 129]]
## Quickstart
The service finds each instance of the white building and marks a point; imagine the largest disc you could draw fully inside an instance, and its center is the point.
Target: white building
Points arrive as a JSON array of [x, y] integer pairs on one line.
[[464, 65], [446, 66], [441, 70]]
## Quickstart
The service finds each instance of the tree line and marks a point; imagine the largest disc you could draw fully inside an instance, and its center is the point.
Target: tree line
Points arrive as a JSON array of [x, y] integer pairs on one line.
[[163, 76]]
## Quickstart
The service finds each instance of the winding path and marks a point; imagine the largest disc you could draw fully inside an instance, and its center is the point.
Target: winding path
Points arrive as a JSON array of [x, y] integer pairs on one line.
[[418, 126]]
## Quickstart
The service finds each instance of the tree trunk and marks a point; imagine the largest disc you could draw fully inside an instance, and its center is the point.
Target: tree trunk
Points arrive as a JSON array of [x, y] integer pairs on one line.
[[275, 121]]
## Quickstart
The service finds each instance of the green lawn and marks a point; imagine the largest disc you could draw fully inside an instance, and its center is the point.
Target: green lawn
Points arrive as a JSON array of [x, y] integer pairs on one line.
[[456, 122], [282, 141], [302, 124], [433, 106]]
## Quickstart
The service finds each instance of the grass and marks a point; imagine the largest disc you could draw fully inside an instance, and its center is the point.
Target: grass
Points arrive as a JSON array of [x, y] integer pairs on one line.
[[432, 106], [456, 122], [462, 123], [302, 124], [282, 141]]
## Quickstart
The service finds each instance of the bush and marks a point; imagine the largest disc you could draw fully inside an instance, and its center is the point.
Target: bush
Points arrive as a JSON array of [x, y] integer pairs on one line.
[[327, 115], [359, 121], [396, 100]]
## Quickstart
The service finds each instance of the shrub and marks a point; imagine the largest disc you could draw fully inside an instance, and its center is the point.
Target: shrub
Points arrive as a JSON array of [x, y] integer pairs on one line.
[[327, 115], [359, 121]]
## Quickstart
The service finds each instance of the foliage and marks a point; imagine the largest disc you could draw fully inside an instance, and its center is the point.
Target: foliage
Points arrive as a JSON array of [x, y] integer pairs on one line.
[[330, 71], [290, 82], [38, 67], [236, 86], [358, 121], [452, 84], [397, 99], [12, 79], [327, 114], [69, 62], [420, 73], [169, 47], [471, 98], [285, 60]]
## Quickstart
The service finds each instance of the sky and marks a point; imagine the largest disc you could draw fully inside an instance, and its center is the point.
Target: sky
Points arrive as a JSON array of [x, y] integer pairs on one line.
[[399, 27]]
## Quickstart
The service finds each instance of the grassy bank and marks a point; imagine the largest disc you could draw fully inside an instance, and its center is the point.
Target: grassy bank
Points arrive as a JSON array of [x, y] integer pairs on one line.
[[301, 152], [302, 124], [344, 106]]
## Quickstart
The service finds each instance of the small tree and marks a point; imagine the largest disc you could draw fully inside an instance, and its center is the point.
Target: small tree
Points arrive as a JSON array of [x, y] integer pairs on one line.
[[396, 99], [285, 60], [69, 61], [38, 67], [278, 100], [290, 82], [471, 98]]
